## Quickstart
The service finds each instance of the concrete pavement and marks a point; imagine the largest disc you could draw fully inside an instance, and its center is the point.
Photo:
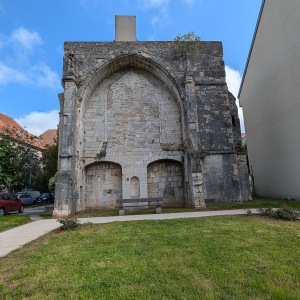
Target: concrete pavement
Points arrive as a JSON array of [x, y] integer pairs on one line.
[[17, 237]]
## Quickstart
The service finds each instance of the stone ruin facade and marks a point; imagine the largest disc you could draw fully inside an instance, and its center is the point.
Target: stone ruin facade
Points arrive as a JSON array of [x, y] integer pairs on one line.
[[147, 119]]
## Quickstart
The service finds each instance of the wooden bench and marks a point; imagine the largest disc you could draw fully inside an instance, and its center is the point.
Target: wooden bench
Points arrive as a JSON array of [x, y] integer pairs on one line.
[[139, 202]]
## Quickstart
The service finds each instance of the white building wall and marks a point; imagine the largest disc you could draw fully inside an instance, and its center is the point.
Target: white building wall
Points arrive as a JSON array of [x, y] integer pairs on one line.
[[270, 96]]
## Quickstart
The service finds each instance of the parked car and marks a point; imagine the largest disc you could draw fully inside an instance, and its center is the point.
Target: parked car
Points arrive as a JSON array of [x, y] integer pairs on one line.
[[46, 198], [34, 194], [10, 203], [26, 198]]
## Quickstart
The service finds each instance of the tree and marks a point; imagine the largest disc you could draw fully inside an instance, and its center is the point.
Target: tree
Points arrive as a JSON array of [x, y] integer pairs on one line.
[[51, 185], [7, 158], [21, 167], [49, 169], [49, 159], [26, 166]]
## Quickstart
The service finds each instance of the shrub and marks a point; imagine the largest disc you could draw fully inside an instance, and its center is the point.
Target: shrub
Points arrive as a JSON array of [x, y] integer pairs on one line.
[[190, 40], [285, 213], [248, 212], [89, 223], [69, 223], [266, 211]]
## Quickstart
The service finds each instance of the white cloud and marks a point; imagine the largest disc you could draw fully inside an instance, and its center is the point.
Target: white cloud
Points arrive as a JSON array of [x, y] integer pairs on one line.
[[23, 61], [161, 18], [8, 75], [2, 7], [45, 77], [37, 75], [154, 21], [233, 79], [189, 2], [26, 39], [85, 4], [150, 4], [38, 122]]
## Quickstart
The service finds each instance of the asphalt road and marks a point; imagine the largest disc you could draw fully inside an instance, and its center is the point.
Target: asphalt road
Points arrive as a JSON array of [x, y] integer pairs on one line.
[[34, 210]]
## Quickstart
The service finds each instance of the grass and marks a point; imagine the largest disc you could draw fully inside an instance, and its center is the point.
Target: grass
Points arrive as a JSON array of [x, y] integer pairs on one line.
[[46, 216], [211, 258], [10, 221], [255, 203]]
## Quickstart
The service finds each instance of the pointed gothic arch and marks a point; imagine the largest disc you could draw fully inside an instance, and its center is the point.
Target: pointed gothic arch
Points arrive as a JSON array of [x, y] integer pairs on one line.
[[138, 61]]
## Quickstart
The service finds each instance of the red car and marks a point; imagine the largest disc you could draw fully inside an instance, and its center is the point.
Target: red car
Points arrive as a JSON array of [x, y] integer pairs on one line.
[[9, 203]]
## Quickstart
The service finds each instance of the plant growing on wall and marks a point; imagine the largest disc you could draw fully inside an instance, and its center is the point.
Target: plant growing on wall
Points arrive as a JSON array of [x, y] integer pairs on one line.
[[187, 45], [189, 40]]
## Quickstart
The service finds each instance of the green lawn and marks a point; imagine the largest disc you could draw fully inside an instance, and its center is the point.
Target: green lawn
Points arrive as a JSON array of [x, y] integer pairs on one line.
[[208, 258], [10, 221], [255, 203]]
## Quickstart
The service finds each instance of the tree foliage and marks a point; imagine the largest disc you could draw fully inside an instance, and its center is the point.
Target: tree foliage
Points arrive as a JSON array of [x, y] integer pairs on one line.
[[26, 166], [51, 185], [49, 160], [49, 168], [22, 167], [7, 158], [244, 145]]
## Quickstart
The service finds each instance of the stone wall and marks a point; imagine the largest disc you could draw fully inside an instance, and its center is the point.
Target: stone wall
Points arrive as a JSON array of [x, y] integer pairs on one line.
[[235, 122], [103, 185], [144, 105], [131, 118], [220, 178], [132, 112], [165, 179]]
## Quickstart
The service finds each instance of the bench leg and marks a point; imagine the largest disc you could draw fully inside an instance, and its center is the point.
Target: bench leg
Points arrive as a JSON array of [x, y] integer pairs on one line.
[[121, 212], [158, 209]]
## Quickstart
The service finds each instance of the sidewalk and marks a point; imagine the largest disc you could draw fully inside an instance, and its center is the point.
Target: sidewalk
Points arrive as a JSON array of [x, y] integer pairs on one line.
[[17, 237]]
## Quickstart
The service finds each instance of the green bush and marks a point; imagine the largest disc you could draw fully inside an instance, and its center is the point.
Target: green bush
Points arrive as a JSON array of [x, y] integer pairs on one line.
[[285, 213], [266, 211], [69, 223]]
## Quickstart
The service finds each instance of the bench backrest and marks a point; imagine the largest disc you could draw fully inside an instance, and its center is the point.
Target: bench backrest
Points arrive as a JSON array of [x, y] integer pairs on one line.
[[156, 199]]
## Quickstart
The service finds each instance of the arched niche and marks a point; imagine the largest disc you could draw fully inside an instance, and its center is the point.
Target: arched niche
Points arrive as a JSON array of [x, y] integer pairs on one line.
[[103, 185], [134, 187], [165, 179], [129, 113], [127, 61]]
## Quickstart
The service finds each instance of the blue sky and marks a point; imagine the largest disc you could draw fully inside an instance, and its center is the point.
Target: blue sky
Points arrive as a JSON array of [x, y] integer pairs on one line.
[[32, 33]]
